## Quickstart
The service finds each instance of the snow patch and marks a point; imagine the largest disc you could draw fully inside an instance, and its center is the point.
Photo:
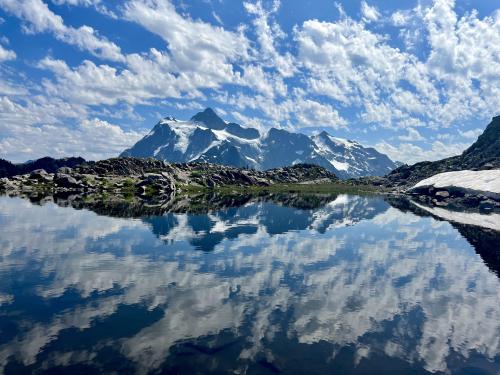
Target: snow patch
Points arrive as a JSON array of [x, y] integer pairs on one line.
[[251, 159], [183, 130], [486, 182], [224, 135], [199, 154], [159, 149], [325, 151], [343, 142], [338, 165]]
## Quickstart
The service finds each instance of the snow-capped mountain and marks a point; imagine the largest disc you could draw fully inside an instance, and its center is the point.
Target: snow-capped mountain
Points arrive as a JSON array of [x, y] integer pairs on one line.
[[207, 138]]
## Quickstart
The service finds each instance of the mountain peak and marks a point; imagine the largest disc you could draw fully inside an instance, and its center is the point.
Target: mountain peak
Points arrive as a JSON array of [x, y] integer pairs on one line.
[[210, 119], [169, 118], [324, 134], [201, 140]]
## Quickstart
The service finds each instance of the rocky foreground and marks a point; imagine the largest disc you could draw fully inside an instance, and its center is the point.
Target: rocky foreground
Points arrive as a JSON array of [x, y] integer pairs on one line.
[[161, 184], [150, 178]]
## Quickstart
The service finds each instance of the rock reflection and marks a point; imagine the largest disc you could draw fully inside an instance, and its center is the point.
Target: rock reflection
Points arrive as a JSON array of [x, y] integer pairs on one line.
[[482, 231], [349, 283]]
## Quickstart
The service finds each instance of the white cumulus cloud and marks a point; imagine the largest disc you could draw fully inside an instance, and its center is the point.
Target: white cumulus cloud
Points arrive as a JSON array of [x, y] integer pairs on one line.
[[39, 18]]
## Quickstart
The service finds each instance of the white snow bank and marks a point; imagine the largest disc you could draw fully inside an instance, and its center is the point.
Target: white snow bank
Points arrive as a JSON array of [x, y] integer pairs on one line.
[[491, 221], [339, 165], [485, 182]]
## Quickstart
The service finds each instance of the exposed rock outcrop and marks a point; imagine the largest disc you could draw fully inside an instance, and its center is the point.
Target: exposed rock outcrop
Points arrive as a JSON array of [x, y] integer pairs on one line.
[[151, 178], [48, 164], [482, 154]]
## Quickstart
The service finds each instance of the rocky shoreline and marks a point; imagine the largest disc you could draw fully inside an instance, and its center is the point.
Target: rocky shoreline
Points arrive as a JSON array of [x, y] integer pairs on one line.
[[445, 197], [157, 183], [151, 178], [454, 199]]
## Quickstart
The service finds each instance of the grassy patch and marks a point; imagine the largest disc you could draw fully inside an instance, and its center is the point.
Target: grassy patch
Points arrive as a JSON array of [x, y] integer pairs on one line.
[[195, 174], [128, 189], [330, 188]]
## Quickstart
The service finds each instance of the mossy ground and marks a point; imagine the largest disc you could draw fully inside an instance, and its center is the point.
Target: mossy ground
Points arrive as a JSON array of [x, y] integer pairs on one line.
[[330, 188]]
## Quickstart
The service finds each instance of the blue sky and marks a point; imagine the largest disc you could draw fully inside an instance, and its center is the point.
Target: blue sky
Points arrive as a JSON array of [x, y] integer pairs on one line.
[[419, 80]]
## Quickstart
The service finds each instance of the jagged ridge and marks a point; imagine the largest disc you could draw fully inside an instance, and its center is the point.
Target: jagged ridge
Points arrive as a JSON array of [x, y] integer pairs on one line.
[[49, 164], [207, 138]]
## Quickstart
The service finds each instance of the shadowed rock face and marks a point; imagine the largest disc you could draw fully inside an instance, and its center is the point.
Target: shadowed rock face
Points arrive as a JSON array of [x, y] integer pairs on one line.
[[123, 167], [483, 154], [209, 118], [240, 131], [50, 165]]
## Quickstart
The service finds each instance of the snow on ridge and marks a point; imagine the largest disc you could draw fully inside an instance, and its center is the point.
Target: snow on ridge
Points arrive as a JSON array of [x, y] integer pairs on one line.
[[323, 150], [183, 133], [343, 142], [486, 181], [223, 135], [158, 149], [199, 154], [184, 130]]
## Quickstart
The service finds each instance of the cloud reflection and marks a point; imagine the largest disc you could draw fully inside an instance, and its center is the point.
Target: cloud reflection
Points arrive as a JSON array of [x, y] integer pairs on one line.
[[354, 273]]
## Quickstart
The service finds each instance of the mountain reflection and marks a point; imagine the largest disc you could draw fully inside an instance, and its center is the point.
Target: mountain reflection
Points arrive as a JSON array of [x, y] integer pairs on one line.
[[205, 231], [346, 283]]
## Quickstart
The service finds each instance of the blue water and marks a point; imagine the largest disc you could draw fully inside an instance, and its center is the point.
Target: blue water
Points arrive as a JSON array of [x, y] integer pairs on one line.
[[352, 286]]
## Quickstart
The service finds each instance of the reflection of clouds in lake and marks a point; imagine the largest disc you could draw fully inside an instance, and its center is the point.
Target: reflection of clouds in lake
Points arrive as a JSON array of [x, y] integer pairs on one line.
[[434, 277], [347, 283]]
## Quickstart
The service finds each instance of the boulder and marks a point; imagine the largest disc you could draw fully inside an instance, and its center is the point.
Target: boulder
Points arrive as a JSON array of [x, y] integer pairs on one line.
[[162, 183], [65, 170], [63, 180], [488, 205], [7, 184], [40, 175], [442, 194]]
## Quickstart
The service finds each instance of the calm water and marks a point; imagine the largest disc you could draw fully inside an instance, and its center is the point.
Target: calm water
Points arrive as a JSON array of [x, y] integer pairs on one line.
[[352, 286]]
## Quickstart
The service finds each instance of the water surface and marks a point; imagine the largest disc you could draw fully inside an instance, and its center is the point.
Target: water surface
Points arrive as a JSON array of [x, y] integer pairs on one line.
[[351, 285]]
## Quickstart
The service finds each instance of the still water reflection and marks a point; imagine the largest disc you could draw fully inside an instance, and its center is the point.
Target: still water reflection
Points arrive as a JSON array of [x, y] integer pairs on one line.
[[353, 286]]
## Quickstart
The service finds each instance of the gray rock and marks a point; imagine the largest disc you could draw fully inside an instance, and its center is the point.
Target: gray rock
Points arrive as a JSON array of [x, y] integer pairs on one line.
[[7, 184], [40, 175], [65, 170], [26, 189], [441, 203], [162, 183], [63, 180], [488, 205], [442, 194]]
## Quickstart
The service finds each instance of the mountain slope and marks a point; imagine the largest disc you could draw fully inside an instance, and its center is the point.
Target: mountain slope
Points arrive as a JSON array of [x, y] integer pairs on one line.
[[207, 138], [482, 154], [50, 165], [346, 155]]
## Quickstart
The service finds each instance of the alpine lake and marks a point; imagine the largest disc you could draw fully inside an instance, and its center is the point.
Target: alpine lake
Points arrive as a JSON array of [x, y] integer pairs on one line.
[[277, 283]]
